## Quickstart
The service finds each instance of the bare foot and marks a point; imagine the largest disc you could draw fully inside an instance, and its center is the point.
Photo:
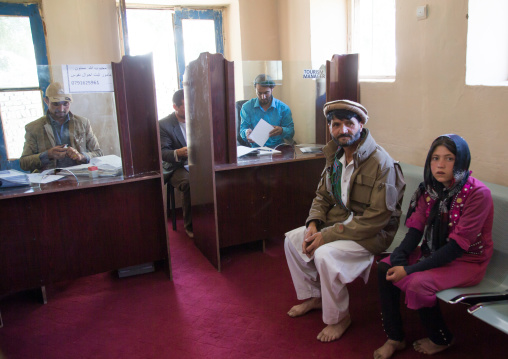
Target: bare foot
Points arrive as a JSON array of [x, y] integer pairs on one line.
[[305, 307], [427, 346], [389, 348], [334, 331]]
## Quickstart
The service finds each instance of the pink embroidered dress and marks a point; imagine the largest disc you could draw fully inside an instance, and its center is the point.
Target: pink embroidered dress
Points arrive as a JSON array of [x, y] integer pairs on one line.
[[470, 225]]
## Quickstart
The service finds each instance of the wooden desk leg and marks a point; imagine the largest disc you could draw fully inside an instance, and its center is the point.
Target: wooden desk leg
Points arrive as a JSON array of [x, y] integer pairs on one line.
[[43, 295], [1, 322]]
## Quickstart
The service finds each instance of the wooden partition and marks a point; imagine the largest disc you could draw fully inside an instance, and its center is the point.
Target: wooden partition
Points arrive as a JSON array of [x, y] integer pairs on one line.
[[237, 201], [341, 84]]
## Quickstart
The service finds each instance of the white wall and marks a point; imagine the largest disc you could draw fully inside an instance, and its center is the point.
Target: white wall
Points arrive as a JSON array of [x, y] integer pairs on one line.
[[429, 96], [81, 32]]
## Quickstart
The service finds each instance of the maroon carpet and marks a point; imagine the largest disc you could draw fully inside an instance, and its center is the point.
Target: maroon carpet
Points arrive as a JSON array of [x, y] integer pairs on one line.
[[239, 313]]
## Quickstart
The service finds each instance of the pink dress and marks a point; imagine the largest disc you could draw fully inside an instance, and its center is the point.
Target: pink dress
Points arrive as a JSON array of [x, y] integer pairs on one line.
[[471, 217]]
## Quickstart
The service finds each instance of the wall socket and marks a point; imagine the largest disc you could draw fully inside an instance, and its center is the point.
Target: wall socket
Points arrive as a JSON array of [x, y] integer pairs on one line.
[[421, 12]]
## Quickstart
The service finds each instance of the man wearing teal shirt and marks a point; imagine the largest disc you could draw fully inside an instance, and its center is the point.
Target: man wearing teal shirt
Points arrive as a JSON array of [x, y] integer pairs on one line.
[[268, 108]]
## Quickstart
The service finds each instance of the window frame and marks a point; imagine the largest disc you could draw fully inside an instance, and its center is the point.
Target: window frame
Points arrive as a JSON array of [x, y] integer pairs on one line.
[[41, 59], [186, 13]]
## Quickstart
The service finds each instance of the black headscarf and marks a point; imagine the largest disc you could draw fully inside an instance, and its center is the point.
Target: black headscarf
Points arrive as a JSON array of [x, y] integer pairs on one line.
[[436, 233]]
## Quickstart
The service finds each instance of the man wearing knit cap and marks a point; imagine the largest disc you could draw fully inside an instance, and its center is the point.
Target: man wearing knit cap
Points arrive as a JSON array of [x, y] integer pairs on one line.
[[60, 138], [354, 216]]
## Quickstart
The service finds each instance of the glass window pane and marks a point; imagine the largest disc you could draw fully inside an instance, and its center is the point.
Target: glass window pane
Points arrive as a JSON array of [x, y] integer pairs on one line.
[[198, 37], [17, 57], [152, 31], [374, 37], [18, 108]]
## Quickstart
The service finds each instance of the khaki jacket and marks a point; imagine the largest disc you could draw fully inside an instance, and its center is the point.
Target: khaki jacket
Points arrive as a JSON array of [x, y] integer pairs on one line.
[[375, 197], [39, 137]]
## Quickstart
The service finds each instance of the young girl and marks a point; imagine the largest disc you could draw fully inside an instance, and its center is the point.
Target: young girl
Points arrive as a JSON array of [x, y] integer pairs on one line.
[[453, 212]]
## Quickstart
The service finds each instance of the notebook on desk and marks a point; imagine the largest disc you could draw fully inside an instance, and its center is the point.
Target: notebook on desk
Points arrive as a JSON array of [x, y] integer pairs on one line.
[[13, 178]]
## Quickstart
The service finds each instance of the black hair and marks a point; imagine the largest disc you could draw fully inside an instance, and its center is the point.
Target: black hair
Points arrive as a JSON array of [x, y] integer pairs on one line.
[[340, 115], [456, 145], [178, 98], [443, 141], [264, 81]]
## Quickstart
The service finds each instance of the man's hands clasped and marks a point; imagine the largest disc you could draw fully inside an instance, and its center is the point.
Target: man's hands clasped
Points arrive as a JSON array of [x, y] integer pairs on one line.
[[312, 240]]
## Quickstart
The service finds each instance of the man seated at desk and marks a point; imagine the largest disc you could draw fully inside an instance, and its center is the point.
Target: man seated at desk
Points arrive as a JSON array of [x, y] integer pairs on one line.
[[60, 138], [268, 108], [173, 137]]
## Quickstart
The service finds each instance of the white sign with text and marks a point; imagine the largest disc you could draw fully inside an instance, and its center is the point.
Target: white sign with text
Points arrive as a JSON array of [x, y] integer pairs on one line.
[[87, 78]]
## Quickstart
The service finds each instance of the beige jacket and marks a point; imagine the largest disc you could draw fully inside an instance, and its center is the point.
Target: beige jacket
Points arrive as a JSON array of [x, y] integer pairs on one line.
[[375, 197], [39, 137]]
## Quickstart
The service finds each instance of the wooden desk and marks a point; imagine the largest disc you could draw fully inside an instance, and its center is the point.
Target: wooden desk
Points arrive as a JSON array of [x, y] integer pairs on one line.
[[66, 230], [236, 201], [254, 199]]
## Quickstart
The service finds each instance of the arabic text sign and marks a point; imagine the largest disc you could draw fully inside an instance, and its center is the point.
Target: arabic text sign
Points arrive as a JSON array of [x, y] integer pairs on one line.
[[87, 78]]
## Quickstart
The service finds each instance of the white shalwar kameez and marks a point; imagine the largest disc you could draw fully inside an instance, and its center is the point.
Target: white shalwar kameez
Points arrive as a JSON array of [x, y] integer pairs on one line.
[[333, 265]]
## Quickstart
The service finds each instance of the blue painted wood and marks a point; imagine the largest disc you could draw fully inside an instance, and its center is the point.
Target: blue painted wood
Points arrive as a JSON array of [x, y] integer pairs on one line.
[[41, 58], [185, 13]]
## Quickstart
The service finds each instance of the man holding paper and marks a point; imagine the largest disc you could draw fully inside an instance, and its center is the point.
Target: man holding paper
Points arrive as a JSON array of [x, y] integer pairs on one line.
[[275, 114], [59, 139]]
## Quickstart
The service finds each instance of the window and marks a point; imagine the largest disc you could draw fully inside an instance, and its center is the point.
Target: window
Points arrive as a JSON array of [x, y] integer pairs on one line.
[[190, 41], [175, 37], [487, 43], [372, 36], [23, 77]]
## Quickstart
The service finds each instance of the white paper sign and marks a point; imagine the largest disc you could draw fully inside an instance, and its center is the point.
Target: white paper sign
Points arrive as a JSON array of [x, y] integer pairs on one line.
[[87, 78], [261, 132]]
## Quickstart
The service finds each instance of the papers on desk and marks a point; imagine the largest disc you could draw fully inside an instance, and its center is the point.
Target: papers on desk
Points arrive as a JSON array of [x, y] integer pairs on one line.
[[310, 148], [13, 178], [260, 133], [257, 151], [44, 177], [108, 166]]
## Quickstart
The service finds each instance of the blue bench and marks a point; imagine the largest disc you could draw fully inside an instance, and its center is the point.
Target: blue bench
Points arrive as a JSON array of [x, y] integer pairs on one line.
[[488, 300]]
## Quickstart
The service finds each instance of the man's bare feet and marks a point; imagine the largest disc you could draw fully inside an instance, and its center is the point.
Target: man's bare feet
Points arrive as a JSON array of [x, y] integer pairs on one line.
[[334, 331], [388, 349], [305, 307], [427, 346]]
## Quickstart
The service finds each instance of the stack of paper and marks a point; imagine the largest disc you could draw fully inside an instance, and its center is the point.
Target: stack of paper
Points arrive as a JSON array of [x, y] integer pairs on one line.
[[108, 166], [13, 178]]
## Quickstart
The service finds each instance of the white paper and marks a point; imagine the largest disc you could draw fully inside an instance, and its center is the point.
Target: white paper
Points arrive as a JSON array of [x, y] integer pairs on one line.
[[43, 178], [261, 132], [107, 162], [242, 150], [267, 151]]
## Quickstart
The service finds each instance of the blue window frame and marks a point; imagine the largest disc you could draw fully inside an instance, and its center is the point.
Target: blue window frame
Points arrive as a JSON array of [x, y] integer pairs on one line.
[[41, 58], [180, 14]]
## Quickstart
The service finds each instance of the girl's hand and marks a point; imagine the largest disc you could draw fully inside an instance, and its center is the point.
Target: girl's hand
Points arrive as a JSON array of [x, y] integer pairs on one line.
[[395, 274]]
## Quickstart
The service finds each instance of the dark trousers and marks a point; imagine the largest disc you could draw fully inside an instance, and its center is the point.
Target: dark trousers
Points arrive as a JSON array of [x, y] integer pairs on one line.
[[180, 180], [431, 318]]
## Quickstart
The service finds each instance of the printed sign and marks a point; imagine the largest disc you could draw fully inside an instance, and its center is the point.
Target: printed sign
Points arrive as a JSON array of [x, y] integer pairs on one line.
[[314, 74], [87, 78]]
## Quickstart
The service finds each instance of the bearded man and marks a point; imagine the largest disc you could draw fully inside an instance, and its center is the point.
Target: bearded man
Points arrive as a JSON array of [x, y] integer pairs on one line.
[[354, 216], [265, 106]]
